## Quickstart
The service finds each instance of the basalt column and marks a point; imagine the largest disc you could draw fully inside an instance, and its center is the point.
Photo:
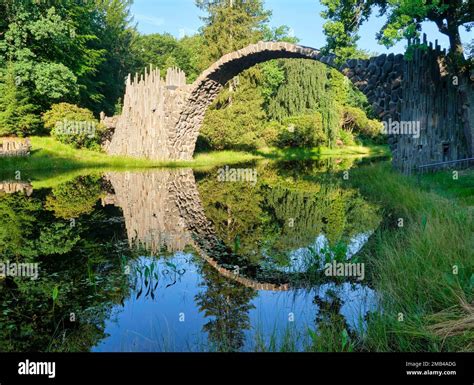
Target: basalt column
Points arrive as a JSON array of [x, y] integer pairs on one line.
[[152, 106]]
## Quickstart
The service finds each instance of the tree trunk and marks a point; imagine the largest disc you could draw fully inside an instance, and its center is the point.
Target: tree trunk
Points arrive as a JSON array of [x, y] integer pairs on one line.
[[455, 45]]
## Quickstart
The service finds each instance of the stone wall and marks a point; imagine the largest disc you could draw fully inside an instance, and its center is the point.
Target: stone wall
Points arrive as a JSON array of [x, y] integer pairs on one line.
[[149, 211], [161, 118], [12, 187], [438, 103], [150, 112]]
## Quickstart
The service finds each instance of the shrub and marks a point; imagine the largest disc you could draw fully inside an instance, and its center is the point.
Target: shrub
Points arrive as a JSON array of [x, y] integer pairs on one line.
[[355, 119], [373, 128], [346, 137], [269, 134], [73, 125], [302, 131]]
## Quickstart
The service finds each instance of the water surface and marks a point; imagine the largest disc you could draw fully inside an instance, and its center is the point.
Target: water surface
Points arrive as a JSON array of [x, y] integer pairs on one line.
[[183, 260]]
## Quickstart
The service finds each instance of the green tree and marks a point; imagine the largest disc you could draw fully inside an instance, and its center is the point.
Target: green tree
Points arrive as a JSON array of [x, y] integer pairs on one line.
[[300, 93], [230, 25], [18, 116], [404, 18], [115, 36], [74, 198], [227, 304], [164, 51], [18, 215], [70, 51]]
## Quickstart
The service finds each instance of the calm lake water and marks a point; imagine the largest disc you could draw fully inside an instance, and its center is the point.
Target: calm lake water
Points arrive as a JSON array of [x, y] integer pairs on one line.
[[227, 259]]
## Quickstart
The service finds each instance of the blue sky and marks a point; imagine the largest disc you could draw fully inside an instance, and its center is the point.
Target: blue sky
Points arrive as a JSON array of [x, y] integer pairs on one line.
[[181, 17]]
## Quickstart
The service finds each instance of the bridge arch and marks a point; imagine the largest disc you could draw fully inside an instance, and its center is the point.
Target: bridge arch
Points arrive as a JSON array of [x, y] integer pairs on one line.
[[378, 78]]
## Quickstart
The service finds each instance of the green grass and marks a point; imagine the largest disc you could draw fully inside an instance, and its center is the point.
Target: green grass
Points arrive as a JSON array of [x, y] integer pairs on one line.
[[445, 184], [48, 153], [52, 161], [321, 152], [411, 267]]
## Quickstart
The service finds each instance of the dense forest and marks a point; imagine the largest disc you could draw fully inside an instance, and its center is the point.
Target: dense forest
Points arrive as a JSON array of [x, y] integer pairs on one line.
[[70, 60]]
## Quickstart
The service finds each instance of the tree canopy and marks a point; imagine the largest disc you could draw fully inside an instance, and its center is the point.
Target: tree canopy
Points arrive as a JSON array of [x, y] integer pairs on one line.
[[404, 19]]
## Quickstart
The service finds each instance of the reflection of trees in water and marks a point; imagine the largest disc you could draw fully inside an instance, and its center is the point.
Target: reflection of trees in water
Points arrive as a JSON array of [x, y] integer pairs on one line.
[[74, 198], [329, 309], [256, 220], [300, 167], [81, 262], [236, 213], [227, 304], [332, 329]]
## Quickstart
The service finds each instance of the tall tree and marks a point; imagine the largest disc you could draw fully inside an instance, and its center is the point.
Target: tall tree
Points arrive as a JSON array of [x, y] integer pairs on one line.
[[18, 116], [115, 38], [231, 25]]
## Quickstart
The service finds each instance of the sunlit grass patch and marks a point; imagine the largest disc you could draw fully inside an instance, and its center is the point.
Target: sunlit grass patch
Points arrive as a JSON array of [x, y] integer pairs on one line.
[[49, 154]]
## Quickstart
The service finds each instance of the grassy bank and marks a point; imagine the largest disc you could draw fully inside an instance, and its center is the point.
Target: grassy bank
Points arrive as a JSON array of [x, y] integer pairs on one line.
[[424, 271], [50, 154], [321, 152]]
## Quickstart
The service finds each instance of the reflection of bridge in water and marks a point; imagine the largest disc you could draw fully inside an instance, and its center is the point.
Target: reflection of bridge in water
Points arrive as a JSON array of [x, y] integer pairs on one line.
[[162, 209]]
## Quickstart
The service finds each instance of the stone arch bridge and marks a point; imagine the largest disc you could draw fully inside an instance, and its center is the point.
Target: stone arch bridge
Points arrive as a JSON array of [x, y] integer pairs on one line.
[[161, 118], [162, 210]]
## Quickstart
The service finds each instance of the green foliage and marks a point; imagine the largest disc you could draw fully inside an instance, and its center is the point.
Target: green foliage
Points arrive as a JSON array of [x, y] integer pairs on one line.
[[35, 314], [238, 117], [273, 78], [436, 236], [74, 198], [346, 137], [18, 215], [355, 120], [280, 33], [68, 51], [164, 51], [54, 81], [255, 218], [300, 93], [404, 19], [230, 26], [236, 214], [71, 124], [61, 111], [344, 17], [57, 238], [302, 131], [235, 120], [17, 113]]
